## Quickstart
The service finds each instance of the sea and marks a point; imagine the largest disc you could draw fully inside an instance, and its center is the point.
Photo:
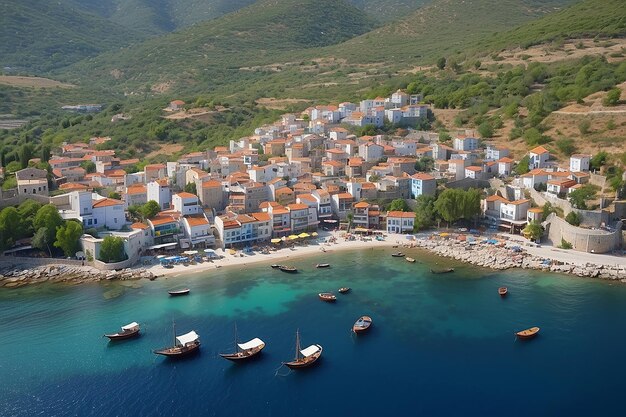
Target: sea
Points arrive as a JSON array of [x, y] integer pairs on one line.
[[440, 344]]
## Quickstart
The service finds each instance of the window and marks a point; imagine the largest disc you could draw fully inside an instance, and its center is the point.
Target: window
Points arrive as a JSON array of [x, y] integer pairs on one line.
[[115, 220], [95, 221]]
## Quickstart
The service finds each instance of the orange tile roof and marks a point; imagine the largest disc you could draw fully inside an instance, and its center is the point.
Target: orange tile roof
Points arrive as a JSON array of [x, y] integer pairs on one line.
[[535, 210], [401, 214], [73, 186], [211, 184], [106, 202], [505, 160], [280, 211], [344, 196], [261, 217], [362, 204], [283, 190], [184, 194], [297, 207], [198, 220], [308, 197], [473, 168], [141, 226], [518, 202], [496, 197], [155, 166], [422, 176], [136, 189], [368, 186], [162, 219], [539, 150]]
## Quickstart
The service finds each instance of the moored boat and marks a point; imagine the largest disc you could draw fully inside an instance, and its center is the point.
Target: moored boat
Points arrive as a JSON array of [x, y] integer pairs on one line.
[[322, 265], [503, 291], [128, 331], [410, 260], [362, 324], [344, 290], [175, 293], [327, 296], [528, 333], [305, 357], [245, 350], [184, 345], [288, 269], [442, 271], [275, 266], [397, 255]]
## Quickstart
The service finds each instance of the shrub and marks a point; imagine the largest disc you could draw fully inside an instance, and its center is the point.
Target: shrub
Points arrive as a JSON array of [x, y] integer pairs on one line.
[[573, 218], [565, 244]]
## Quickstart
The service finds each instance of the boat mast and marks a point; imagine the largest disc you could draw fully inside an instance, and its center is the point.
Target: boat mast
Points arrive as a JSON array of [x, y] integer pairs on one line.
[[297, 344], [174, 330], [236, 345]]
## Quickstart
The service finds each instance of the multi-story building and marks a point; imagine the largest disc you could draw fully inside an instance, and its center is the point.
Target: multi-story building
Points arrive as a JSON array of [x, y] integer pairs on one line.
[[400, 222], [32, 181], [160, 192], [423, 184]]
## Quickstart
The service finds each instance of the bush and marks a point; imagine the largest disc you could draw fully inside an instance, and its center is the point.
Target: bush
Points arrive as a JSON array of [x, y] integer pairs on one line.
[[612, 97], [112, 250], [584, 126], [573, 218], [565, 244]]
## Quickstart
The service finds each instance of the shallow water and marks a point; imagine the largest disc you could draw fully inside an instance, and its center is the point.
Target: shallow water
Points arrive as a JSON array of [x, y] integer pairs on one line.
[[439, 345]]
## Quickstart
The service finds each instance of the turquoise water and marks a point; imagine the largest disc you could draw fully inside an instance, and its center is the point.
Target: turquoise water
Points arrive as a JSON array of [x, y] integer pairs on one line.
[[440, 344]]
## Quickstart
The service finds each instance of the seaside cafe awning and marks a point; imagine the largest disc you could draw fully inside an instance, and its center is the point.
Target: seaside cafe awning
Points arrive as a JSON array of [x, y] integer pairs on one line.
[[293, 237], [304, 235], [164, 246], [276, 240], [183, 339], [309, 351], [256, 342]]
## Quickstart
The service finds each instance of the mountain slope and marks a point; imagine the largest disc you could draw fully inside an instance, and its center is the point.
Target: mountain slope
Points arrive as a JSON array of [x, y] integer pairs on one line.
[[41, 35], [210, 50]]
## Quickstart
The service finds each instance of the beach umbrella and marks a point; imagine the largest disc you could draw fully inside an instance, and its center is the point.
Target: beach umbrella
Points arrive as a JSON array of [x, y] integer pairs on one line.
[[283, 238], [293, 237], [314, 234], [304, 235], [190, 252], [277, 240]]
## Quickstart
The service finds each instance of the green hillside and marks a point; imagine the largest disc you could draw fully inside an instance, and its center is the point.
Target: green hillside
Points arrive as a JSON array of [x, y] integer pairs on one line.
[[41, 35]]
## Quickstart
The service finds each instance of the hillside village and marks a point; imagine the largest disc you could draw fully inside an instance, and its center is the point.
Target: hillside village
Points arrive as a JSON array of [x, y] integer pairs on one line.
[[309, 171]]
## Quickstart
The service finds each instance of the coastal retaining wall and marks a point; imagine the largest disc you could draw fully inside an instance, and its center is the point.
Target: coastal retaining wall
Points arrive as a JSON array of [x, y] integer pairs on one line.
[[27, 261], [10, 199], [116, 265], [588, 218], [584, 240]]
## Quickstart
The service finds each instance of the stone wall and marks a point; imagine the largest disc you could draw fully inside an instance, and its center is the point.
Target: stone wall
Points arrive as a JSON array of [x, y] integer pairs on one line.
[[584, 240], [27, 261]]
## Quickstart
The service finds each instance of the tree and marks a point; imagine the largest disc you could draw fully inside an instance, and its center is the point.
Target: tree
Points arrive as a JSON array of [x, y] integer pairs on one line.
[[10, 227], [112, 249], [67, 237], [88, 166], [573, 218], [368, 130], [115, 195], [522, 167], [612, 97], [583, 126], [547, 210], [191, 188], [40, 240], [485, 129], [441, 63], [533, 230], [580, 196], [48, 217], [45, 153], [25, 153], [150, 209], [425, 164], [598, 160], [424, 212], [399, 204], [350, 218]]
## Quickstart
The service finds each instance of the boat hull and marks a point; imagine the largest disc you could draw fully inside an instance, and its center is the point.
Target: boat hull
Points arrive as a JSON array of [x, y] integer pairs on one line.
[[503, 291], [363, 324], [528, 333], [304, 362], [178, 293], [344, 290], [178, 351], [322, 266], [123, 335], [288, 270], [242, 356], [329, 298]]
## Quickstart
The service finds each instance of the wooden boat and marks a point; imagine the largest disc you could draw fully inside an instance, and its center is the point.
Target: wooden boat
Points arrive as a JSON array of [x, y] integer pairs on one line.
[[410, 260], [344, 290], [275, 266], [398, 255], [288, 269], [184, 345], [528, 333], [322, 266], [362, 324], [442, 271], [327, 296], [175, 293], [305, 357], [128, 331], [246, 350], [503, 291]]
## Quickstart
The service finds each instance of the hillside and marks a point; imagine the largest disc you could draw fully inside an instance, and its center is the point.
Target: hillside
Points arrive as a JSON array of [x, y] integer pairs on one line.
[[389, 9], [40, 35], [209, 53]]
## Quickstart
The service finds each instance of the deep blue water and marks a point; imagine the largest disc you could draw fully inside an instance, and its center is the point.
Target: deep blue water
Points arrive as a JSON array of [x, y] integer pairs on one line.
[[440, 344]]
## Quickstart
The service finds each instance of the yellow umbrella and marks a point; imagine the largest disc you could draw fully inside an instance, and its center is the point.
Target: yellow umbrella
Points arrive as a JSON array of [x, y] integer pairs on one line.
[[277, 240], [293, 237], [314, 234], [303, 235]]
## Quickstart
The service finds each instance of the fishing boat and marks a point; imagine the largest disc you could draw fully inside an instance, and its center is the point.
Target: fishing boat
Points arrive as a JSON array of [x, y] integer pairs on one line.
[[322, 265], [184, 345], [528, 333], [305, 357], [503, 291], [362, 324], [442, 271], [128, 331], [288, 269], [275, 266], [344, 290], [175, 293], [246, 350], [410, 260], [398, 255], [327, 296]]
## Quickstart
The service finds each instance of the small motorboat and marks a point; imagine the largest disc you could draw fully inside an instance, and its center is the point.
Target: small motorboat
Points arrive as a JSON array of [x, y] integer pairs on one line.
[[503, 291], [305, 357], [322, 266], [128, 331], [175, 293], [528, 333], [275, 266], [327, 296], [398, 255], [442, 271], [344, 290], [184, 345], [288, 269], [362, 324], [245, 350], [410, 260]]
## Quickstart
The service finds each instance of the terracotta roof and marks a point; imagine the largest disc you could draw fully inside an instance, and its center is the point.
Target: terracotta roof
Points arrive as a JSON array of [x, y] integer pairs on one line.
[[368, 186], [344, 196], [267, 204], [297, 207], [211, 184], [155, 166], [362, 204], [473, 168], [535, 210], [496, 197], [539, 150], [280, 211], [505, 160], [422, 176], [308, 197], [74, 186], [518, 202], [178, 102], [106, 202], [283, 190], [198, 220], [136, 189], [261, 217], [141, 226], [401, 214], [162, 219], [186, 195]]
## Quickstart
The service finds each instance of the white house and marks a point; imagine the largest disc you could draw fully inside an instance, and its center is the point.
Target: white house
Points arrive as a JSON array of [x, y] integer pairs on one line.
[[234, 228], [371, 151], [504, 166], [97, 213], [539, 157], [400, 221], [160, 192], [474, 172], [579, 163], [32, 181], [535, 177], [186, 203], [493, 153], [198, 230], [465, 144], [422, 184]]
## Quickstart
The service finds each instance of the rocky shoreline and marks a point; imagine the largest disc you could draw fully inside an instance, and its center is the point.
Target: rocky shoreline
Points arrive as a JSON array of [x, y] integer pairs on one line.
[[12, 276], [501, 258]]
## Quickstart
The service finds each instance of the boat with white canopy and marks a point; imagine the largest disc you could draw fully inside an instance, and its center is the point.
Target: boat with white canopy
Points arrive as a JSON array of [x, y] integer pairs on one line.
[[183, 345], [128, 331], [305, 357], [245, 350]]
